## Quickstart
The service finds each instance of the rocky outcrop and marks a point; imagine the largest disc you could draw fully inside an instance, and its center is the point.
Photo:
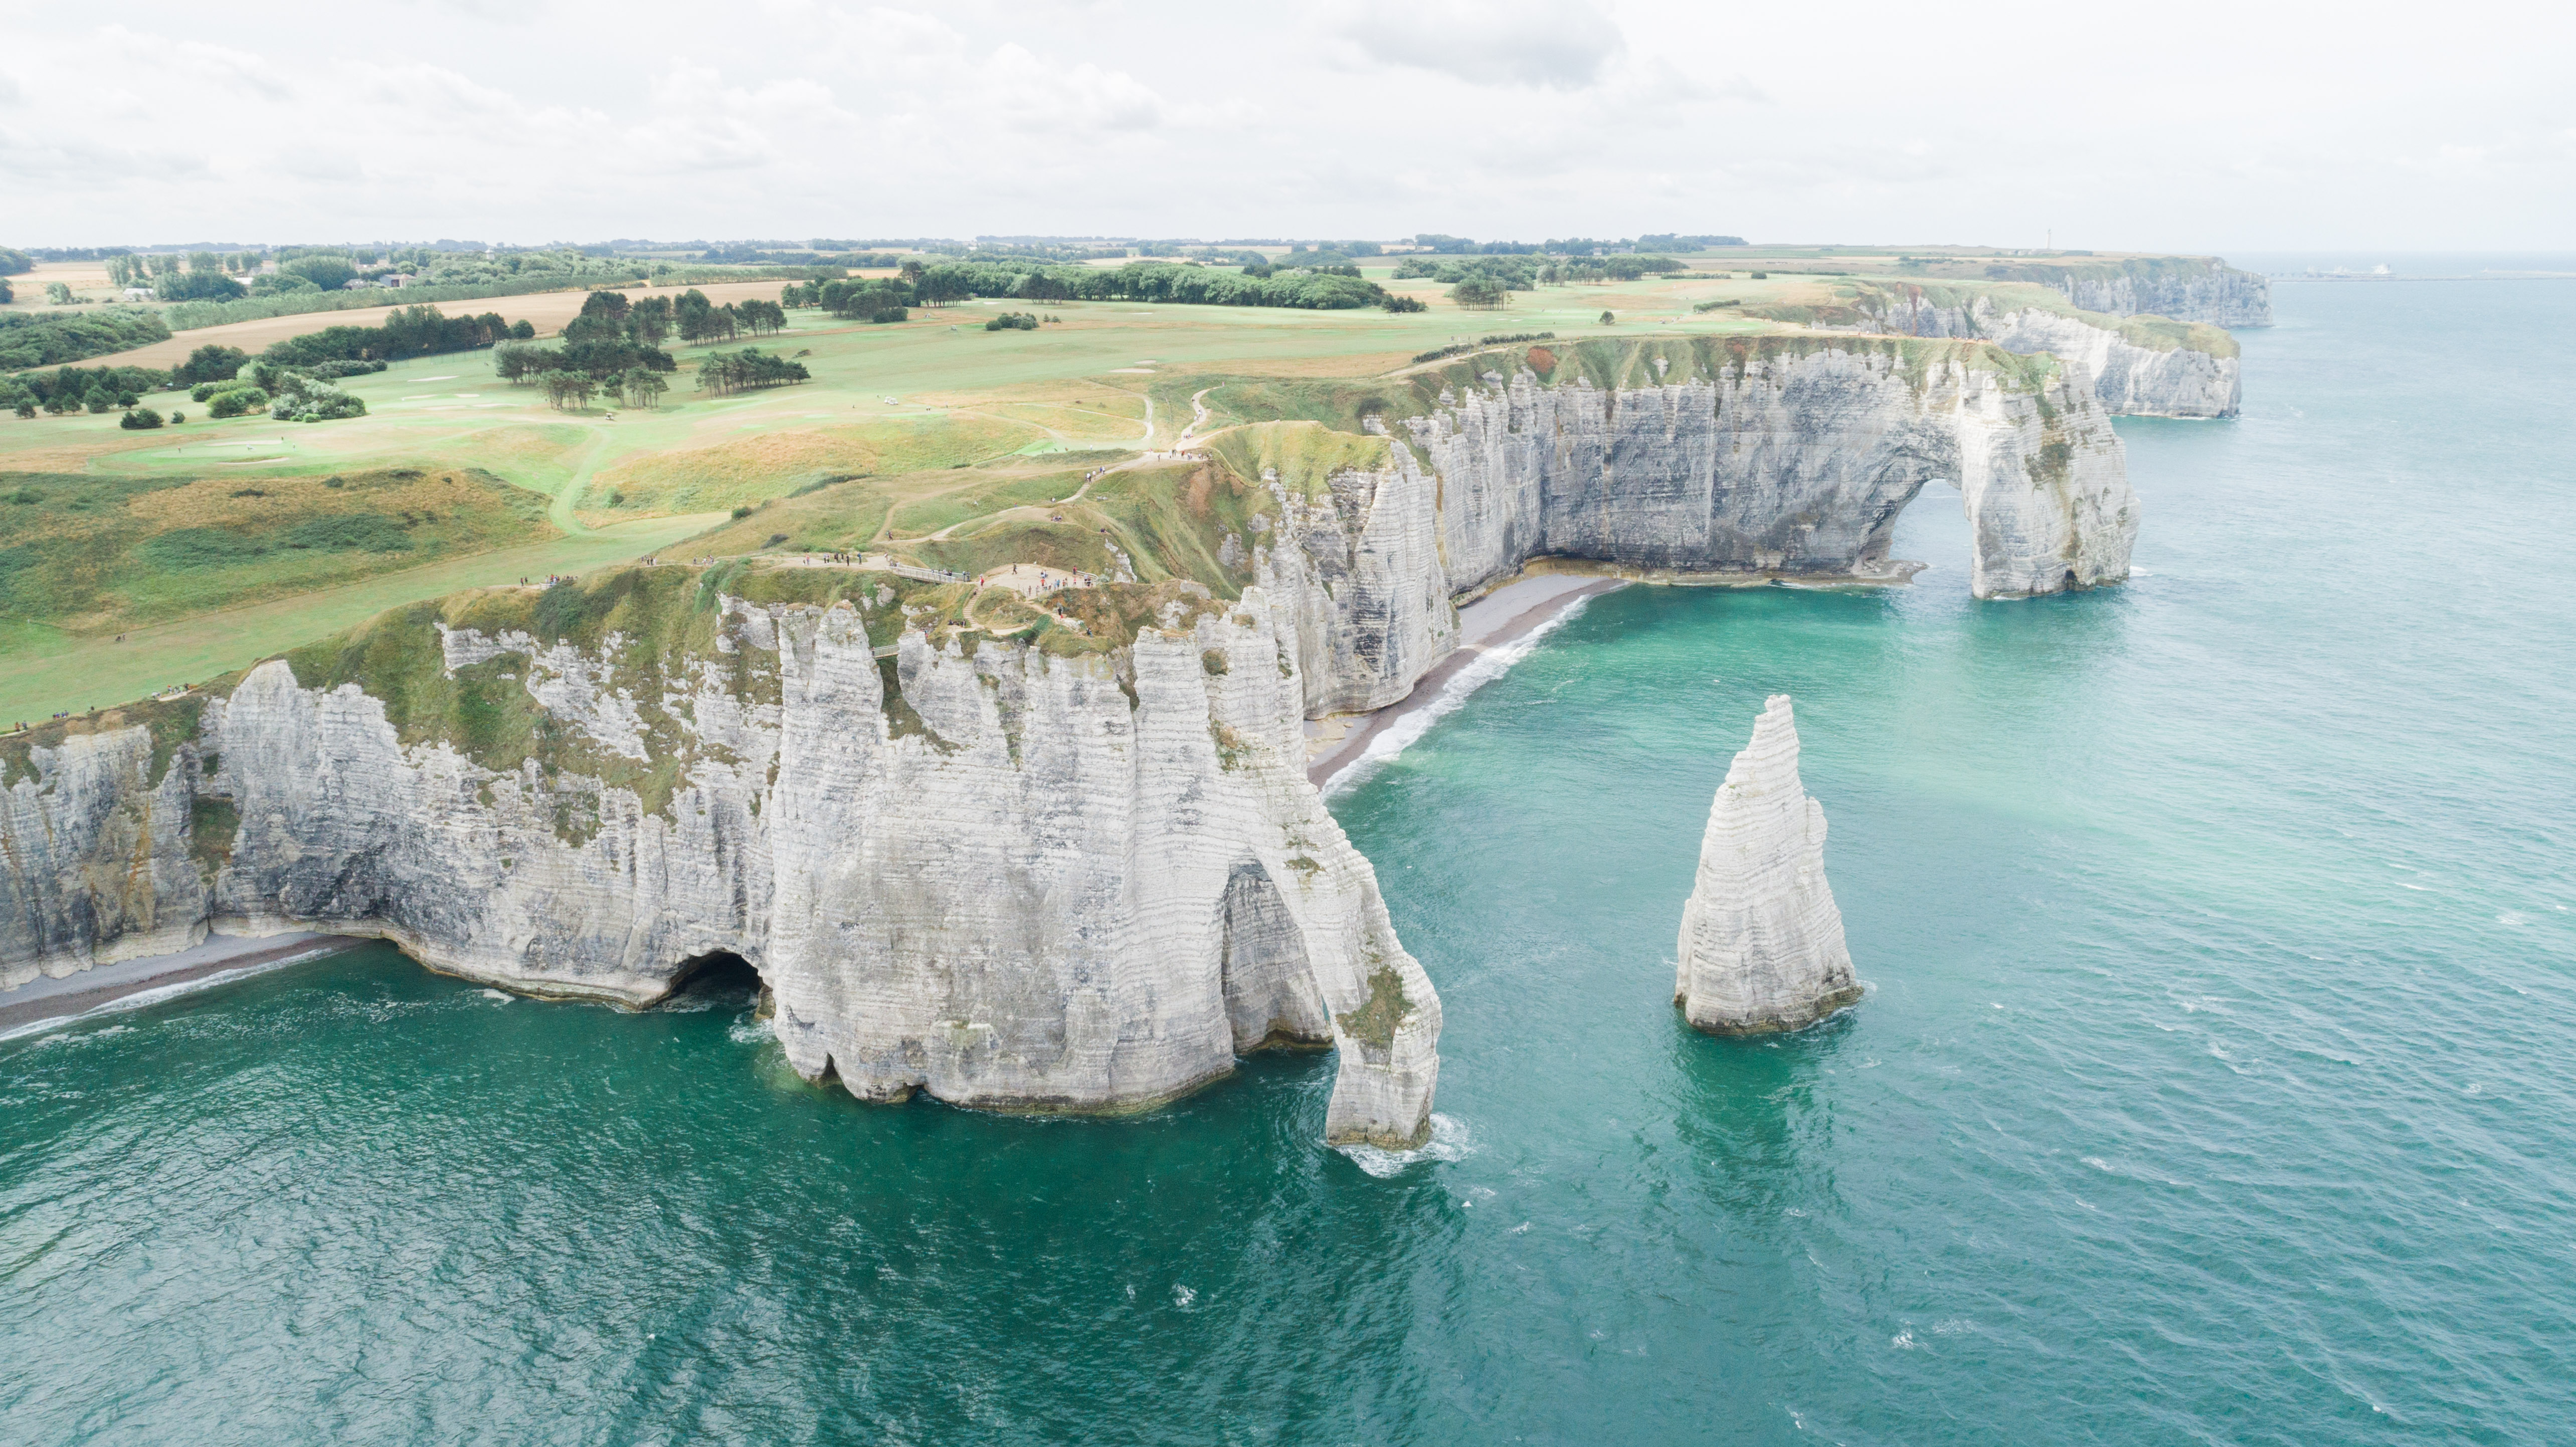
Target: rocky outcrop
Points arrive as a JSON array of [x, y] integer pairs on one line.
[[1787, 458], [1362, 568], [94, 834], [1784, 461], [2185, 288], [2137, 369], [1010, 878], [1761, 942]]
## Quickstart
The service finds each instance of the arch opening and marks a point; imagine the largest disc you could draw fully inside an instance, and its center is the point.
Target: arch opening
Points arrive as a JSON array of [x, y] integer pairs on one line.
[[1271, 999], [1929, 533]]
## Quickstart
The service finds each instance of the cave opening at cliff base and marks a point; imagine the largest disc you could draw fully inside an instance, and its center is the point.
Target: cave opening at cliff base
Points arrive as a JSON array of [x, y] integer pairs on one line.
[[715, 978]]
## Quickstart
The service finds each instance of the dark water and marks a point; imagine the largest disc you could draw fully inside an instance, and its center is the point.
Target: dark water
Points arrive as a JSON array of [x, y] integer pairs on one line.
[[2215, 1085]]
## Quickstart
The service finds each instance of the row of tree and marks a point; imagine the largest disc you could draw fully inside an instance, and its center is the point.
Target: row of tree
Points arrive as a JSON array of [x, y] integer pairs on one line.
[[607, 315], [70, 389], [38, 339], [411, 331], [727, 372], [940, 283], [599, 359], [641, 387]]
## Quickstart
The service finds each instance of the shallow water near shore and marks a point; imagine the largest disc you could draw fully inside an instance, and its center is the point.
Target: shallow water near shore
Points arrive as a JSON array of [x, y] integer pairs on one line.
[[2213, 1084]]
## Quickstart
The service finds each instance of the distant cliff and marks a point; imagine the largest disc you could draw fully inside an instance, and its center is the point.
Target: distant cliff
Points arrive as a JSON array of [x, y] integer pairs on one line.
[[1783, 457], [2184, 288], [2139, 366]]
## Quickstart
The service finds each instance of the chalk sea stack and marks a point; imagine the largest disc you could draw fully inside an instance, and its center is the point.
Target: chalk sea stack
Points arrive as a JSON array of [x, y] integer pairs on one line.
[[1762, 943]]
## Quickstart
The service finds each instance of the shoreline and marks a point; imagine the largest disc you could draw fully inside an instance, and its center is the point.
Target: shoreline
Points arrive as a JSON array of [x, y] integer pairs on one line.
[[1504, 616], [1535, 598], [48, 1000]]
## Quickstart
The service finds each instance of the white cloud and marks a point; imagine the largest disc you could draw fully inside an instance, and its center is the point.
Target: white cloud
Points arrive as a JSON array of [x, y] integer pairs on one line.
[[530, 119], [1489, 42], [1030, 94]]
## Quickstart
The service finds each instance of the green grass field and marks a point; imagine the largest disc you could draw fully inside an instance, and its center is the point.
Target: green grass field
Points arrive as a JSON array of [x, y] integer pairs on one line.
[[211, 544]]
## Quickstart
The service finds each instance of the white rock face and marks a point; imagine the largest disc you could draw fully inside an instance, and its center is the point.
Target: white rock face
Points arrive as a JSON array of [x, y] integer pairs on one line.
[[1762, 943], [1364, 576], [1025, 883], [1783, 463], [95, 839], [2129, 379], [2187, 290]]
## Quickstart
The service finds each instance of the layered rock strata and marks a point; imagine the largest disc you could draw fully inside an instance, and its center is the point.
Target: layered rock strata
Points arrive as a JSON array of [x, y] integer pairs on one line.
[[1009, 879], [2157, 377], [1014, 876], [2187, 289], [1787, 463], [1761, 941]]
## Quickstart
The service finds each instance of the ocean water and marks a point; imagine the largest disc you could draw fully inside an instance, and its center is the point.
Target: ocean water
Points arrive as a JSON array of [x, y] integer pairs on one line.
[[2214, 1084]]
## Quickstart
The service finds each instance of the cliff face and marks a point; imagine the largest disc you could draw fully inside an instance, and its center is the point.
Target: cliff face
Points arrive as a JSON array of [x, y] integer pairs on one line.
[[2137, 367], [1362, 569], [95, 837], [1786, 462], [1015, 880], [2131, 380], [1762, 942], [2187, 289], [1079, 873]]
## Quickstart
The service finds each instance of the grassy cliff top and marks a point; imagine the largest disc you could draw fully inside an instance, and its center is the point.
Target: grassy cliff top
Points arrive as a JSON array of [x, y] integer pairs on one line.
[[219, 541]]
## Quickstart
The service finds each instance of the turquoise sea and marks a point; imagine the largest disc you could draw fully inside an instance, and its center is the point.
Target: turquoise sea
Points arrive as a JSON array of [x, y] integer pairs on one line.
[[2215, 1084]]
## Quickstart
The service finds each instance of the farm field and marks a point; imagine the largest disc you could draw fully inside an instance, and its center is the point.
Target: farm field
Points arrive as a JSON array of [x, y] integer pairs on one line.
[[211, 544]]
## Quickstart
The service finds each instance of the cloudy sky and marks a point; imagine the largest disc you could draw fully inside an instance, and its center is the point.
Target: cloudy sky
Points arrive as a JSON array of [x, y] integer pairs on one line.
[[2245, 125]]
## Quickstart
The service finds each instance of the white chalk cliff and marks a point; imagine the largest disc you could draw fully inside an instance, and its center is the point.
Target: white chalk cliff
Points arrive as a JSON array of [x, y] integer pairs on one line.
[[2188, 289], [1024, 882], [1041, 876], [2136, 368], [1761, 941]]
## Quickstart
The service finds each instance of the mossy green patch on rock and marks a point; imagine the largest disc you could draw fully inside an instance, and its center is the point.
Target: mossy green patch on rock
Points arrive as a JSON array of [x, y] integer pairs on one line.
[[1376, 1022], [212, 826]]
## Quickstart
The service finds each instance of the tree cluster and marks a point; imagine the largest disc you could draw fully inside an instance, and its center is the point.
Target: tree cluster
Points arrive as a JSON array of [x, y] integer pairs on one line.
[[200, 286], [1012, 322], [42, 339], [209, 363], [727, 372], [859, 299], [411, 331], [71, 389], [519, 362], [304, 399]]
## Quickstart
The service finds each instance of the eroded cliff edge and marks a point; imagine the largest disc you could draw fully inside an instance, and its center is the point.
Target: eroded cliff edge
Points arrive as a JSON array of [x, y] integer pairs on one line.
[[1016, 877], [1695, 458], [2138, 366], [1012, 859]]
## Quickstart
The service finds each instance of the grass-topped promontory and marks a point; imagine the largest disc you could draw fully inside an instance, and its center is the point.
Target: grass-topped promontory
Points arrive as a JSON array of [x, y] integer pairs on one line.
[[932, 440]]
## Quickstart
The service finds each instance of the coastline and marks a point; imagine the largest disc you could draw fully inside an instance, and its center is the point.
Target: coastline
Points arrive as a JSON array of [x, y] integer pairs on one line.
[[48, 1001], [1487, 630]]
